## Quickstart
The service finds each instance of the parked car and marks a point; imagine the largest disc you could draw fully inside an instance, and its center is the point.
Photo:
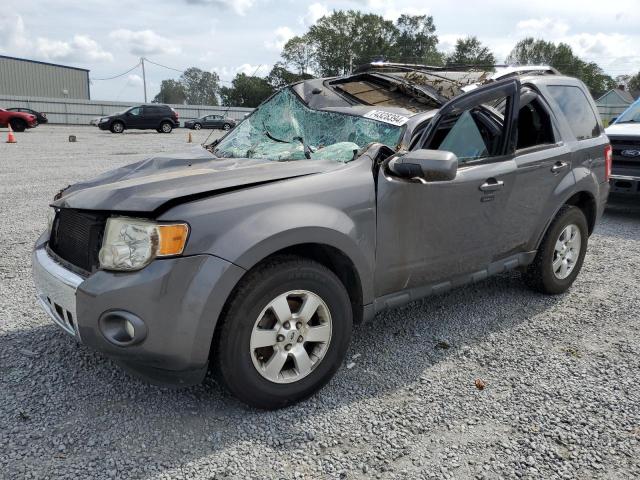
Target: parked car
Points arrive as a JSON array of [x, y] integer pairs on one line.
[[210, 121], [624, 134], [144, 117], [334, 200], [19, 121], [40, 117]]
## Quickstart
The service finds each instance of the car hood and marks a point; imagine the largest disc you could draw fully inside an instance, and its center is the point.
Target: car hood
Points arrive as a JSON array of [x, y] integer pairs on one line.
[[154, 185], [623, 129]]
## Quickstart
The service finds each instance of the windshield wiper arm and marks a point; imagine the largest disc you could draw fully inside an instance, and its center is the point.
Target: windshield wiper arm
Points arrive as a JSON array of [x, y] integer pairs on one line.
[[307, 149]]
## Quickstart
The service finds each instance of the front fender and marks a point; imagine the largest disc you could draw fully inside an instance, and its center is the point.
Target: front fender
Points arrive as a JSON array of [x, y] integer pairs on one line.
[[335, 209]]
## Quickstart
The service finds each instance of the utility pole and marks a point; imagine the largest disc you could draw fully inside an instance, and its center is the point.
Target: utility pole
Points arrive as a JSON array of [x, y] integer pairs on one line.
[[144, 80]]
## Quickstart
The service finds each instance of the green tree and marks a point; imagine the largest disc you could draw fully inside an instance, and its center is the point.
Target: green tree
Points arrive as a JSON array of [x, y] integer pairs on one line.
[[531, 51], [280, 77], [201, 88], [416, 40], [634, 83], [298, 54], [345, 39], [171, 91], [246, 91], [470, 51]]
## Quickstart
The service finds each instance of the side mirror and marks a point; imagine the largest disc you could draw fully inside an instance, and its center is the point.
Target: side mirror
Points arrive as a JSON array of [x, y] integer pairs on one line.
[[430, 165]]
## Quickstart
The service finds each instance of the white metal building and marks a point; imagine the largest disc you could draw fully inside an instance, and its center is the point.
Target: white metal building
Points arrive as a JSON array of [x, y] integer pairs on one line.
[[31, 78]]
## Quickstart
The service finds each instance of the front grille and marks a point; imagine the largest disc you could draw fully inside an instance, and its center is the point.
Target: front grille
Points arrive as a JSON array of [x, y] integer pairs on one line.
[[624, 142], [76, 237]]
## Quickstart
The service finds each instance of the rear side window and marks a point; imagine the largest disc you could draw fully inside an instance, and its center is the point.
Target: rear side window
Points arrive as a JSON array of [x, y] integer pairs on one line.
[[576, 108]]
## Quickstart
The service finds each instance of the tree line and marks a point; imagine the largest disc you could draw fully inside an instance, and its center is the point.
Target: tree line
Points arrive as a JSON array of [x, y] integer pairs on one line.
[[342, 40]]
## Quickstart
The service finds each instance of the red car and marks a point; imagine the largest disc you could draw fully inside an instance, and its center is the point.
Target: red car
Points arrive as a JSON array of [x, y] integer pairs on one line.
[[19, 121]]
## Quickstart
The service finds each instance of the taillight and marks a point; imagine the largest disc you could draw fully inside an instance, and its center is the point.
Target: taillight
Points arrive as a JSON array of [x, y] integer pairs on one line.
[[608, 159]]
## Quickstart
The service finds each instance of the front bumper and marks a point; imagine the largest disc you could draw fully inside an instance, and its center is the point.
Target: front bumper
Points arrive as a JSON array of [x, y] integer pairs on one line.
[[56, 290], [178, 299], [622, 184]]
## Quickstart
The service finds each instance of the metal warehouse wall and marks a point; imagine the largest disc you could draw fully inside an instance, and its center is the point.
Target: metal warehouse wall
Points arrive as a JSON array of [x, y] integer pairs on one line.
[[25, 77], [81, 112]]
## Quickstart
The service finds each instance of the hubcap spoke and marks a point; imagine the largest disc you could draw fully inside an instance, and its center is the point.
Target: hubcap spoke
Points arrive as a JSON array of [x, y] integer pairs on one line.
[[321, 333], [309, 308], [263, 338], [557, 263], [281, 308], [302, 361], [274, 366]]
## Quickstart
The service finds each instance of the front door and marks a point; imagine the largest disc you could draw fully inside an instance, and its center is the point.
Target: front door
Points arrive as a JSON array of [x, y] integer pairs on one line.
[[431, 232], [135, 118]]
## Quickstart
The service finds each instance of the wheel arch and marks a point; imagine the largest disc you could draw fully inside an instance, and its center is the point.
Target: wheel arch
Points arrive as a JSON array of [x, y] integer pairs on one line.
[[585, 201]]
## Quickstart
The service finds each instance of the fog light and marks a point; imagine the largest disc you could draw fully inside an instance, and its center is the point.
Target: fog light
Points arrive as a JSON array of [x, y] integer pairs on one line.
[[122, 328]]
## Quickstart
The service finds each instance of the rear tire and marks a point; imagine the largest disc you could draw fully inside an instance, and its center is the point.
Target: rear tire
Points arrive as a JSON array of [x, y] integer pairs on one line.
[[166, 127], [117, 127], [561, 253], [309, 358], [18, 125]]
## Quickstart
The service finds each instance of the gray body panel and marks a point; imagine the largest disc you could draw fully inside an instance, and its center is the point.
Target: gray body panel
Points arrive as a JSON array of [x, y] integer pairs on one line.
[[404, 239]]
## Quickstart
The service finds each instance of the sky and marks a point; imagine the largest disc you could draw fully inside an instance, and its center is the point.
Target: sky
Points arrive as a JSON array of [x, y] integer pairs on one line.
[[231, 36]]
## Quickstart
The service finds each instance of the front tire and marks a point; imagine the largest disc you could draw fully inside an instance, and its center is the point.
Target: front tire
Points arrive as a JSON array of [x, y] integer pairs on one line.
[[197, 126], [561, 253], [18, 125], [226, 127], [284, 334], [117, 127]]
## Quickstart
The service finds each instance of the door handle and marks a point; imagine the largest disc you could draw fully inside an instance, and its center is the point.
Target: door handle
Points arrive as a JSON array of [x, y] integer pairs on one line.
[[558, 166], [491, 185]]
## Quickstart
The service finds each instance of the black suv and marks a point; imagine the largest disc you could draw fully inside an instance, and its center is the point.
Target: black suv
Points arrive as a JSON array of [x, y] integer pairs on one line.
[[161, 118]]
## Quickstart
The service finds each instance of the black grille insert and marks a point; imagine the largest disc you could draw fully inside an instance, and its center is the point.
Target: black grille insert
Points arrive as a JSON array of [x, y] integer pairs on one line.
[[76, 237]]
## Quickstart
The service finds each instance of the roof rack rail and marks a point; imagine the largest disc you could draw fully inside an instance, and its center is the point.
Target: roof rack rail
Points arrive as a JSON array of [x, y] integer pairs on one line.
[[505, 68]]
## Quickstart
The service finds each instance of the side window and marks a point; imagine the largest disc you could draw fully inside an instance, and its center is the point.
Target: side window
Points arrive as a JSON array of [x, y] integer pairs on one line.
[[136, 111], [472, 134], [576, 108], [534, 125]]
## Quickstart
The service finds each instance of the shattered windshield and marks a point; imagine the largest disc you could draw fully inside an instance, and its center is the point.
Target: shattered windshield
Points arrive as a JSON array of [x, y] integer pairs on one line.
[[284, 128]]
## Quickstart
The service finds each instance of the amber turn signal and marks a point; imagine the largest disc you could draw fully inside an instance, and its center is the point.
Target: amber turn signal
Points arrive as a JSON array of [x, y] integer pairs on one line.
[[172, 239]]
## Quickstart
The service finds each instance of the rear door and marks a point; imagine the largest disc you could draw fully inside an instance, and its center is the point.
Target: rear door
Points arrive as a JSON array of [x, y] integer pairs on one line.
[[543, 163], [433, 232]]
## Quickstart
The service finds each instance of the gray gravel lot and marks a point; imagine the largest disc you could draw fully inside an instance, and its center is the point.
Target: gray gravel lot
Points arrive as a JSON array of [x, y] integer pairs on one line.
[[562, 374]]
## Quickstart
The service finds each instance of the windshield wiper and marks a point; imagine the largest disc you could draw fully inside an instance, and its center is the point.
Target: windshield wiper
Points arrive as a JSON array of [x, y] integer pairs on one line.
[[307, 149]]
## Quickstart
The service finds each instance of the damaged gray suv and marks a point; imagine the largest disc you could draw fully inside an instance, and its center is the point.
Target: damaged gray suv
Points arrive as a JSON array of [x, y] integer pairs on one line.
[[334, 200]]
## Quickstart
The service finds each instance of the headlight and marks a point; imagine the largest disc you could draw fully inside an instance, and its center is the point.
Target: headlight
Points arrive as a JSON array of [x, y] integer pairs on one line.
[[51, 215], [102, 120], [131, 243]]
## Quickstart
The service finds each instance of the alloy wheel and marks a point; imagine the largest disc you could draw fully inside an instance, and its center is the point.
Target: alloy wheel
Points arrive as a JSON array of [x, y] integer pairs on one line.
[[566, 251], [291, 336]]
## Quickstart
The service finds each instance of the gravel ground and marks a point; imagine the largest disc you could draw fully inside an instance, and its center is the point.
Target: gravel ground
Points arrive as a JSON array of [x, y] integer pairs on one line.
[[561, 396]]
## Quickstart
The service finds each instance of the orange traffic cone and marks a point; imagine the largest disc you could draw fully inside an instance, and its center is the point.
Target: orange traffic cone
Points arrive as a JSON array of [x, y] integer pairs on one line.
[[11, 138]]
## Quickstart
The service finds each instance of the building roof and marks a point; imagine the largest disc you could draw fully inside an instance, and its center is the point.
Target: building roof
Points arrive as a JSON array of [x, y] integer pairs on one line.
[[622, 96], [43, 63]]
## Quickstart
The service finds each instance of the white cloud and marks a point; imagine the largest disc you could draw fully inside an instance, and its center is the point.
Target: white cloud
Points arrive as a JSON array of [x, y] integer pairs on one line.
[[315, 12], [447, 42], [239, 6], [280, 37], [134, 80], [16, 40], [391, 13], [542, 27], [144, 42]]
